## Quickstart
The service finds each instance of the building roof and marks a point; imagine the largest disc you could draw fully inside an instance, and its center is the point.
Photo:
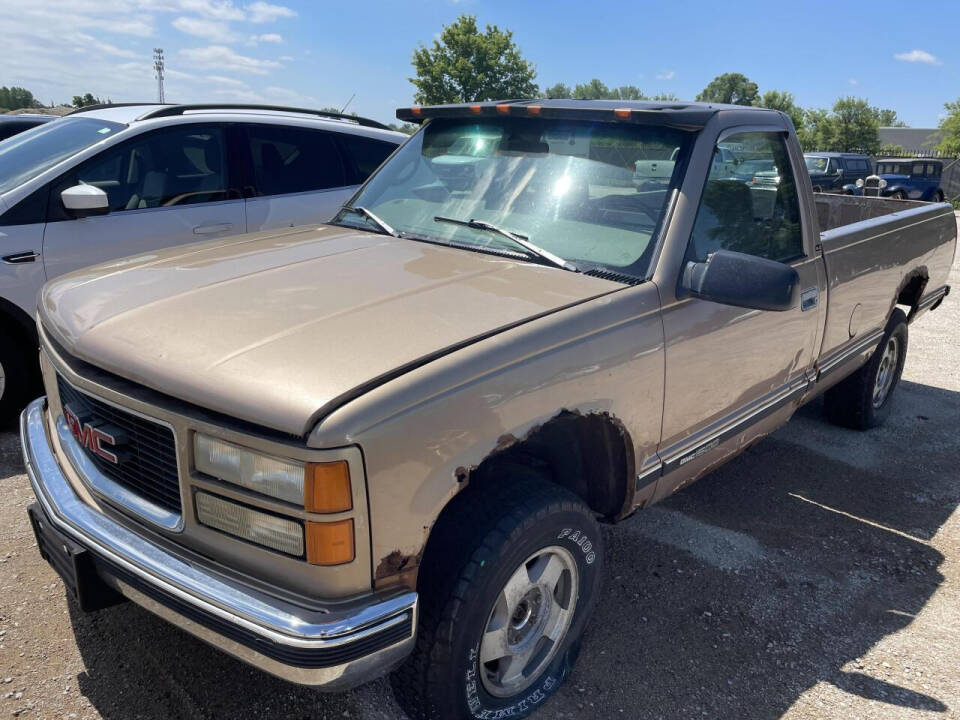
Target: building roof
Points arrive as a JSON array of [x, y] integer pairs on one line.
[[913, 139]]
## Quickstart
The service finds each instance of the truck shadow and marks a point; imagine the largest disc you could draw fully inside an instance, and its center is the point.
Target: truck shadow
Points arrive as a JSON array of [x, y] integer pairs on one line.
[[775, 573]]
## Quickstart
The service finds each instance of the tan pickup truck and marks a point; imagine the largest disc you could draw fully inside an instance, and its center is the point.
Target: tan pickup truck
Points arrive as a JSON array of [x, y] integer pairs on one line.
[[385, 443]]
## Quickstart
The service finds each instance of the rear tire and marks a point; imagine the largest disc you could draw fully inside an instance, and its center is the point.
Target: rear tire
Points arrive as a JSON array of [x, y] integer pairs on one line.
[[508, 583], [15, 380], [863, 400], [938, 197], [899, 195]]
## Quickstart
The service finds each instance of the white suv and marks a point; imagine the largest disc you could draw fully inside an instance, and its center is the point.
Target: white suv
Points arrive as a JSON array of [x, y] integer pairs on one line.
[[110, 181]]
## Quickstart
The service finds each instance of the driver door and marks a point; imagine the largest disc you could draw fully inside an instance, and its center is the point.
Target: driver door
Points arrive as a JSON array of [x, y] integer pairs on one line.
[[166, 187], [734, 373]]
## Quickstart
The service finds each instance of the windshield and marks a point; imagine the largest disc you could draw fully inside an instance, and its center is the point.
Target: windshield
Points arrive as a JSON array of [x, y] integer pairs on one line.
[[567, 187], [816, 164], [28, 154]]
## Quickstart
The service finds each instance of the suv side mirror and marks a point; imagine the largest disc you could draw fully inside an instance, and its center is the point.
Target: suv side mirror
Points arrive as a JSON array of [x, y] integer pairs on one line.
[[839, 171], [733, 278], [85, 200]]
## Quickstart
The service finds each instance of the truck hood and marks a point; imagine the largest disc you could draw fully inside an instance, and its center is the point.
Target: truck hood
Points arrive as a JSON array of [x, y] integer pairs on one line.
[[278, 329]]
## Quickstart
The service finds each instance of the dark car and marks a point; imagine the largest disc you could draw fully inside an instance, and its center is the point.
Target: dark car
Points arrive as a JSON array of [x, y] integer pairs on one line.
[[907, 179], [13, 124], [836, 172]]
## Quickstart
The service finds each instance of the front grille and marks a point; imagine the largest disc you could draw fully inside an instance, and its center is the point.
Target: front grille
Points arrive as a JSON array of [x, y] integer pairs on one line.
[[148, 465]]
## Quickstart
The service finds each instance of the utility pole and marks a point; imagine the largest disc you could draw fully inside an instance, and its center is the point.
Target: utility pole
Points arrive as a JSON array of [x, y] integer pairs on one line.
[[158, 66]]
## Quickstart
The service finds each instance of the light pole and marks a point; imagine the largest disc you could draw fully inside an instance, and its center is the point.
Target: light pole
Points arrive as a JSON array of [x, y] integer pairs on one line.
[[158, 66]]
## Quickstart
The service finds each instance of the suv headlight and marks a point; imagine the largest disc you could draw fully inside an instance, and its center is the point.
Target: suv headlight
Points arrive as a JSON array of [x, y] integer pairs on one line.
[[317, 487]]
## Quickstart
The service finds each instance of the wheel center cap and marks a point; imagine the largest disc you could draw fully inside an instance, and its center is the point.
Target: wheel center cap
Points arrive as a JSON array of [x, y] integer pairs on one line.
[[525, 615]]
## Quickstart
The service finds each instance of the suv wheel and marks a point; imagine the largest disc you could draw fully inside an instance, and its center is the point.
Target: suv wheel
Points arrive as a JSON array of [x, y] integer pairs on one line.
[[862, 401], [506, 588]]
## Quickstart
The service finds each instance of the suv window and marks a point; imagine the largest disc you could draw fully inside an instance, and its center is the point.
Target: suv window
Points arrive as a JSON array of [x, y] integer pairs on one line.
[[292, 159], [760, 217], [364, 155], [181, 165]]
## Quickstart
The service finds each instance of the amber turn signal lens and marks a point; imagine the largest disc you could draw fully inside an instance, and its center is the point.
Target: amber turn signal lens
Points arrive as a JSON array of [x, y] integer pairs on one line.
[[622, 113], [330, 543], [327, 487]]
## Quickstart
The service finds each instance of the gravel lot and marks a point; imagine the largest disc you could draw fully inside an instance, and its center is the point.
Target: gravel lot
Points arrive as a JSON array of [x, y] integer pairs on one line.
[[816, 576]]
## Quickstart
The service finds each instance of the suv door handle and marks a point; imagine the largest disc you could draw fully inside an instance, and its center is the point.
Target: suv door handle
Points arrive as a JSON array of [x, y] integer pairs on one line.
[[211, 229], [19, 258]]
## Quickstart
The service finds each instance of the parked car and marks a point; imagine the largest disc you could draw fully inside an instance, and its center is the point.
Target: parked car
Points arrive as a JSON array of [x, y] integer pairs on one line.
[[906, 179], [388, 440], [110, 181], [11, 125], [837, 172]]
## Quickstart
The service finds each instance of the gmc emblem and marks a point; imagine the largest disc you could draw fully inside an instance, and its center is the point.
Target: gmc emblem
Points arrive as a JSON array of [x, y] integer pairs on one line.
[[95, 437]]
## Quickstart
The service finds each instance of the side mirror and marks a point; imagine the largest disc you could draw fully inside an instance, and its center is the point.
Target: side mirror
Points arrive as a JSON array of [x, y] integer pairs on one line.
[[85, 200], [733, 278], [839, 171]]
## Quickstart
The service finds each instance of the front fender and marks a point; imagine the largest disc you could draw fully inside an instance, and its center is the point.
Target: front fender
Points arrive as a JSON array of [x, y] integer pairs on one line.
[[422, 433]]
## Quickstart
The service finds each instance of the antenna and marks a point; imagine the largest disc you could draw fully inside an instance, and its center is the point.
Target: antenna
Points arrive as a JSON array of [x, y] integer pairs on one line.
[[158, 66], [348, 103]]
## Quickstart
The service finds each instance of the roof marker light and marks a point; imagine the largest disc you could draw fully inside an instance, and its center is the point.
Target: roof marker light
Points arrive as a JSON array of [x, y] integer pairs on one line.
[[476, 109], [503, 109], [533, 109], [622, 113]]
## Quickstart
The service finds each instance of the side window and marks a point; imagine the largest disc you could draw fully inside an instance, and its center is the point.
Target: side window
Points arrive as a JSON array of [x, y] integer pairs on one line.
[[291, 160], [364, 155], [758, 216], [917, 169], [176, 166]]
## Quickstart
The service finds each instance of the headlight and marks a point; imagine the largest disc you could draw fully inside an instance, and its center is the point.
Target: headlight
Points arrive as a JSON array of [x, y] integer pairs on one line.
[[281, 479], [274, 532], [316, 487], [882, 183], [859, 182]]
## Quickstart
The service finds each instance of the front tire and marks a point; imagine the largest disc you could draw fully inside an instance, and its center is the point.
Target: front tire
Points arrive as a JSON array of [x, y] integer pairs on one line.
[[862, 401], [507, 585]]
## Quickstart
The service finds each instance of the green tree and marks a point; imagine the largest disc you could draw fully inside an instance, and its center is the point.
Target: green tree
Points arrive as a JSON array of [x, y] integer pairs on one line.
[[784, 102], [85, 100], [665, 97], [628, 92], [888, 118], [855, 126], [892, 150], [950, 129], [593, 90], [818, 130], [558, 92], [730, 88], [404, 127], [15, 98], [467, 65]]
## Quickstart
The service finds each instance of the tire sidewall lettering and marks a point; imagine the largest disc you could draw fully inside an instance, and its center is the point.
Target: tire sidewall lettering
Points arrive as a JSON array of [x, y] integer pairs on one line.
[[581, 540]]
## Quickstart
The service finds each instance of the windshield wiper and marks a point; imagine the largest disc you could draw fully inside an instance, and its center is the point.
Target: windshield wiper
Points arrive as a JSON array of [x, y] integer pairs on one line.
[[520, 240], [360, 210]]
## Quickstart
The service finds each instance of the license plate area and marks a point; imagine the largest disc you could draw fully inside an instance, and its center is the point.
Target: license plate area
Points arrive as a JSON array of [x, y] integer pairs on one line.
[[73, 563]]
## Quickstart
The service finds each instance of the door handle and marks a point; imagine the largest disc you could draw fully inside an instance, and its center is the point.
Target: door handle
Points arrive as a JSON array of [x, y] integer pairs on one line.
[[211, 229], [19, 258]]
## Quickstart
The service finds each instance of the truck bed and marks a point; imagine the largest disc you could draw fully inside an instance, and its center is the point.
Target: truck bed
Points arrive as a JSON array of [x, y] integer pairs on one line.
[[872, 245]]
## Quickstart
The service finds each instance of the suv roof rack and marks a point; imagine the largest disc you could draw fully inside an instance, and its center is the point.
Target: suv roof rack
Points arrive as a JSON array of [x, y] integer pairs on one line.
[[171, 110], [105, 106]]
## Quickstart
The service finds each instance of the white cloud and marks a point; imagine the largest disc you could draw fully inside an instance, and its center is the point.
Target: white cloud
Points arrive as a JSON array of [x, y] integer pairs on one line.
[[853, 81], [223, 58], [210, 30], [666, 75], [213, 9], [275, 38], [263, 12], [286, 58], [918, 56], [285, 95]]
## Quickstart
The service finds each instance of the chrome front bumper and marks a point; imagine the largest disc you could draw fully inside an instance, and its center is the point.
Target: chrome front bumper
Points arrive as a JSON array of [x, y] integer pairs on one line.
[[332, 650]]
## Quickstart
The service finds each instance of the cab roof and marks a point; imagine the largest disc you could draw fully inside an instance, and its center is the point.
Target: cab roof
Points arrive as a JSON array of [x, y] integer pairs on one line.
[[678, 113]]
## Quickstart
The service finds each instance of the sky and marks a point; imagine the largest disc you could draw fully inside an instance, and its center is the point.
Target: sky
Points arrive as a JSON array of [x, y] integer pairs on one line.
[[319, 53]]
